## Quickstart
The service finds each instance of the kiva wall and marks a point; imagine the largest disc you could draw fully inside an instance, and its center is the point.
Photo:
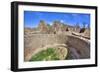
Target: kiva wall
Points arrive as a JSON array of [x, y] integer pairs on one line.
[[35, 41]]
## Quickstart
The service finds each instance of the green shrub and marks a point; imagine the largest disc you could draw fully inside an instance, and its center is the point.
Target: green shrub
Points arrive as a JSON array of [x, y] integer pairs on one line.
[[46, 55]]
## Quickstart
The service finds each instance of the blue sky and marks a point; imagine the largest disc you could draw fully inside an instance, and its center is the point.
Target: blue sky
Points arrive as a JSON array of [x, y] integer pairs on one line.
[[32, 18]]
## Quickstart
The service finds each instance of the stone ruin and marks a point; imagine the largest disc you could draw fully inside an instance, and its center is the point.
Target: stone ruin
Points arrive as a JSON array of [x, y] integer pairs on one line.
[[58, 34]]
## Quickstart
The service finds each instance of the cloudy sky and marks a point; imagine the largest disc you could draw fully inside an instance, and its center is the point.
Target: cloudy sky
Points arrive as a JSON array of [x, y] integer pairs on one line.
[[32, 18]]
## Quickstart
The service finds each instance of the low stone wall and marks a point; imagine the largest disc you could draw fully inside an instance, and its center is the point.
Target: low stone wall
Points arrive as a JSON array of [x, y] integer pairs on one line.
[[34, 41]]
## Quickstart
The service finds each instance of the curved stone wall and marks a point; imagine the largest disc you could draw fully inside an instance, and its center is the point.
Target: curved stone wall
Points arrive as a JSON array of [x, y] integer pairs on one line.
[[78, 48]]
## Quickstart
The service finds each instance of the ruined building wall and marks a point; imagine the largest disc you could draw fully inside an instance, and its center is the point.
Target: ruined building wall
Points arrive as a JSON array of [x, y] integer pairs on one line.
[[34, 41]]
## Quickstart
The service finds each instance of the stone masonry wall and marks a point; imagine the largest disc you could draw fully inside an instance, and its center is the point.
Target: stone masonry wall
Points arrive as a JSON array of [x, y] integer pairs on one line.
[[34, 41]]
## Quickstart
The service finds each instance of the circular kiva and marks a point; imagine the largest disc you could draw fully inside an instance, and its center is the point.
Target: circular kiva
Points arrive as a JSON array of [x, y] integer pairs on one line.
[[77, 47]]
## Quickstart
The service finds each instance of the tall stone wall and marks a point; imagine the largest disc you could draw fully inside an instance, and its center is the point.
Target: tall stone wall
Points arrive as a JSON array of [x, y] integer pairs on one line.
[[35, 41], [82, 48], [40, 40]]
